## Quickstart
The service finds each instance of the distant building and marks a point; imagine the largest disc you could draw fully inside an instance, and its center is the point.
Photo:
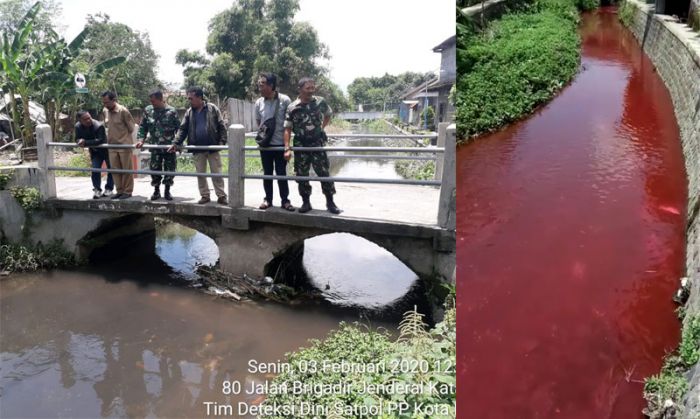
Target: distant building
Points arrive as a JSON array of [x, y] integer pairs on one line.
[[683, 9], [434, 92]]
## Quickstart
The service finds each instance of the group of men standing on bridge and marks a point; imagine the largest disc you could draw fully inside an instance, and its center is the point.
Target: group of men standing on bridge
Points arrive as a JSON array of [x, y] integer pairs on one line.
[[203, 125]]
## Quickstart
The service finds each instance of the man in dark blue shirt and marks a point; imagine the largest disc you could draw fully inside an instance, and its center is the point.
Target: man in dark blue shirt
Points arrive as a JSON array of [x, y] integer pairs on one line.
[[90, 133]]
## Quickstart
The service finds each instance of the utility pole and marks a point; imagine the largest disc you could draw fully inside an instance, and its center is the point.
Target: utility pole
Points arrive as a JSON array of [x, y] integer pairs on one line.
[[425, 107]]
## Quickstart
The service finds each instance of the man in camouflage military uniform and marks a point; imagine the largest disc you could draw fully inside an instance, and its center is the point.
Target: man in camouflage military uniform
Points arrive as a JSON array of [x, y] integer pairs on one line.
[[158, 126], [307, 117]]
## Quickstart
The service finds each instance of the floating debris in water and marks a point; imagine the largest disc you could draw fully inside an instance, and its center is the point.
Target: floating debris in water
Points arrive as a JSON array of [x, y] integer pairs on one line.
[[244, 287], [669, 209], [683, 292], [223, 293]]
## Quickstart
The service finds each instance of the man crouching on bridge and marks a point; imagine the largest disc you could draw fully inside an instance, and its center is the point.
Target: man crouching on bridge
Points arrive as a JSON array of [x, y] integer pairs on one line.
[[90, 133], [307, 117]]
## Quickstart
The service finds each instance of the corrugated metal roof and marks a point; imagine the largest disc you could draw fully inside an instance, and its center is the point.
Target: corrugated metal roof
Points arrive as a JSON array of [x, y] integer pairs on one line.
[[36, 111]]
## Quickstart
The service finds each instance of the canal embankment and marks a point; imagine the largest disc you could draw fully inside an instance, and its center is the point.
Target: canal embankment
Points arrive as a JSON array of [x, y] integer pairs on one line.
[[675, 51], [571, 224], [510, 64], [20, 208]]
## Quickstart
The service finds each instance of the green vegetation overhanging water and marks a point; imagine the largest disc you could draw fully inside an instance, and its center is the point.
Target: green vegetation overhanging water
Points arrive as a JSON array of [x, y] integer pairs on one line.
[[516, 63]]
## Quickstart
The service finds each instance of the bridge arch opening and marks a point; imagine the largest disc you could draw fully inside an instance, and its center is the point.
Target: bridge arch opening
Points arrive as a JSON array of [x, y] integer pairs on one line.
[[150, 244], [349, 271], [183, 248]]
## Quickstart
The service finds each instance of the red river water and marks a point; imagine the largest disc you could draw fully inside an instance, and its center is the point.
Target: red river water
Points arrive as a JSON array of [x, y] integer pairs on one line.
[[571, 243]]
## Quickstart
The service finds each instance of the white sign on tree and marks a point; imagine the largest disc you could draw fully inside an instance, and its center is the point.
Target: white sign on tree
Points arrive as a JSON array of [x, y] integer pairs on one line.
[[80, 83]]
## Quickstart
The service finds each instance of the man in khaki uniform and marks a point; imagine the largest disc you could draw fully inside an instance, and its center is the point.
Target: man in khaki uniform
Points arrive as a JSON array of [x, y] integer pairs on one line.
[[120, 126]]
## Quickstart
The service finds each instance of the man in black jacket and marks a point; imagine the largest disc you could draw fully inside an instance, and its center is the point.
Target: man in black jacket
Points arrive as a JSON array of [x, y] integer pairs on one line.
[[90, 133], [203, 125]]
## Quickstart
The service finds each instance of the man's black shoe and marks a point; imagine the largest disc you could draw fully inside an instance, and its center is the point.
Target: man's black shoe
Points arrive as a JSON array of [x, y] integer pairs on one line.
[[305, 206], [330, 205], [333, 209], [167, 195]]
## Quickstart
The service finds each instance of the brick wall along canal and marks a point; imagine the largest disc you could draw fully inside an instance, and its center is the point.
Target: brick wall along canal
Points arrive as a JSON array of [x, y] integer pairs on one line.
[[571, 243]]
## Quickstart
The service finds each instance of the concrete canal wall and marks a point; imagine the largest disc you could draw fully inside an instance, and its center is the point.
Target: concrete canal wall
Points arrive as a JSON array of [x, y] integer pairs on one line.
[[675, 51]]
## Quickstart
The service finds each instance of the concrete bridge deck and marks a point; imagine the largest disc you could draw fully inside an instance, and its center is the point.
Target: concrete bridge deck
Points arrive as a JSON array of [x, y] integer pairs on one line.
[[405, 210]]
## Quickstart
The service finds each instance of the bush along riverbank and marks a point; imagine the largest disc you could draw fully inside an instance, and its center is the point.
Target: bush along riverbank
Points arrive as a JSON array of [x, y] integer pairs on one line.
[[516, 63], [360, 372], [668, 391], [408, 169], [664, 391], [33, 257], [26, 256]]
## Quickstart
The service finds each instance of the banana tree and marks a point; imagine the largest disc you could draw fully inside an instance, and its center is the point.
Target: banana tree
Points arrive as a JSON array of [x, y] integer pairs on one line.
[[55, 85], [21, 61], [42, 67]]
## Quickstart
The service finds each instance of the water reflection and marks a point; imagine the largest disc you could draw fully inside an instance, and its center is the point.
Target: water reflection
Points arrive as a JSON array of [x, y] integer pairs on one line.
[[366, 167], [183, 248], [86, 347], [352, 271]]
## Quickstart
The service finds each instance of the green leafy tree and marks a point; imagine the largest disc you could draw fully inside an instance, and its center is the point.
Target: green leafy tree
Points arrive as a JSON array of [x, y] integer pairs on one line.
[[256, 36], [56, 90], [197, 70], [375, 93], [46, 19], [24, 59], [332, 93], [133, 78], [20, 65], [39, 64], [427, 118]]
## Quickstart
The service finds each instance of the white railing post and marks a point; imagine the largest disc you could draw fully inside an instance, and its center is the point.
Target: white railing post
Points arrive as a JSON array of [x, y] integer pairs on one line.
[[440, 158], [47, 179], [136, 153], [236, 165], [447, 209]]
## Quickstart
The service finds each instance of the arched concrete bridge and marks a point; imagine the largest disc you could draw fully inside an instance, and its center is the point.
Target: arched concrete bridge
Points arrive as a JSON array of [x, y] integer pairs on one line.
[[415, 223]]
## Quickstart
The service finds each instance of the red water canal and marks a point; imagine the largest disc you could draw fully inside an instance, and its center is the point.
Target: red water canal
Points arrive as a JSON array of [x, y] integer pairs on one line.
[[571, 244]]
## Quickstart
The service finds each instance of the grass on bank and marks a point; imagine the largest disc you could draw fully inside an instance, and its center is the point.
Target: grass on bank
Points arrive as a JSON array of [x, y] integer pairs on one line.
[[416, 169], [34, 257], [671, 383], [626, 13], [417, 358], [516, 64]]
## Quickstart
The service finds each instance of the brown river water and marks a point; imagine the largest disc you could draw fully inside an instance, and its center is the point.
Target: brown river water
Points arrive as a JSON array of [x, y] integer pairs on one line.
[[125, 338]]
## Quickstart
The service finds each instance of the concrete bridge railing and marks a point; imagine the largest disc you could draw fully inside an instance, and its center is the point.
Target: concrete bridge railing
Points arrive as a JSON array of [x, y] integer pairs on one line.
[[365, 116], [444, 155]]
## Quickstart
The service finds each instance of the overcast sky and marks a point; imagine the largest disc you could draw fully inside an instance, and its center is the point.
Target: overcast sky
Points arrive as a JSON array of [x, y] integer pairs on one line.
[[365, 37]]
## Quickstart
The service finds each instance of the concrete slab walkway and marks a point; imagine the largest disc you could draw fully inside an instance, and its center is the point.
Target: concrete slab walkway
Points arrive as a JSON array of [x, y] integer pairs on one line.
[[399, 203]]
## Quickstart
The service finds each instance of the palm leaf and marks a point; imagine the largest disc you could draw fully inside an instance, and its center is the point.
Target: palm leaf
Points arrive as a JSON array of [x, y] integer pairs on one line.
[[56, 76], [104, 65], [77, 42], [24, 29]]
